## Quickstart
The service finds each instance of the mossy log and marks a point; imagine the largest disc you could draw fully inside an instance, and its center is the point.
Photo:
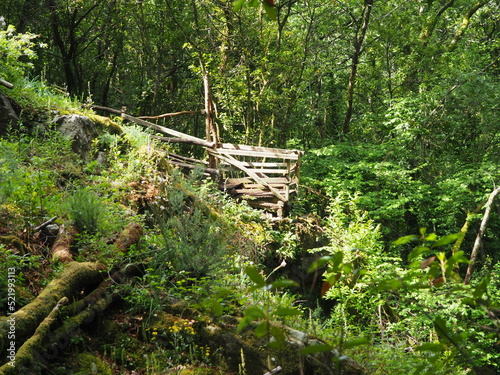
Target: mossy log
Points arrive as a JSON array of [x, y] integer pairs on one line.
[[128, 237], [61, 248], [21, 360], [69, 284], [83, 311]]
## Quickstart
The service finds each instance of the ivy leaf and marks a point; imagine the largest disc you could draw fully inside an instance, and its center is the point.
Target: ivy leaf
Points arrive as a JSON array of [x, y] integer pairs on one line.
[[282, 283]]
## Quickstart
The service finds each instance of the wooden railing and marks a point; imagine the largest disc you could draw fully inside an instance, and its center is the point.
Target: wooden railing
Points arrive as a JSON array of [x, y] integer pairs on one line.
[[267, 177]]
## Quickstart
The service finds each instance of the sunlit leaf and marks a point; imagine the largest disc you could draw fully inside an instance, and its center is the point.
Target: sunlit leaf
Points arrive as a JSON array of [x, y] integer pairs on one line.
[[445, 240], [416, 252], [319, 263], [270, 11], [238, 4], [405, 239], [255, 276], [356, 342]]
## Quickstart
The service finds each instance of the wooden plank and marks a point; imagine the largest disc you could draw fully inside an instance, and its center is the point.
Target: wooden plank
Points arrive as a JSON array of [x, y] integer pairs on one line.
[[282, 172], [162, 129], [231, 146], [229, 159], [256, 154], [270, 180], [252, 164]]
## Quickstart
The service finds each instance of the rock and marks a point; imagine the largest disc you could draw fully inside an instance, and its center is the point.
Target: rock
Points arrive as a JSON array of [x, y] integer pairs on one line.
[[8, 115], [80, 130]]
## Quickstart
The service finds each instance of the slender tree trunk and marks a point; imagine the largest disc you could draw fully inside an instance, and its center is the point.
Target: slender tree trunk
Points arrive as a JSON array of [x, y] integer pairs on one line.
[[358, 44], [479, 237], [465, 24]]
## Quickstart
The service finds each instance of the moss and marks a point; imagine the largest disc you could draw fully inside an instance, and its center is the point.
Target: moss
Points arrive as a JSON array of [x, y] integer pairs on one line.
[[87, 363]]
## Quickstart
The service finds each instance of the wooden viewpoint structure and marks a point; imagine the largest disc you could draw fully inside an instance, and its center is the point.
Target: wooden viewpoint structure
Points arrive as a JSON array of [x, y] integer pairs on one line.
[[268, 178]]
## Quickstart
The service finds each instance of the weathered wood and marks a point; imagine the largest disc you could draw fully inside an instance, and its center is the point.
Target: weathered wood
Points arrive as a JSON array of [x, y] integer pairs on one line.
[[162, 129], [171, 155], [172, 114], [231, 146], [6, 84], [229, 159], [247, 180], [107, 109], [270, 153], [43, 225], [61, 249]]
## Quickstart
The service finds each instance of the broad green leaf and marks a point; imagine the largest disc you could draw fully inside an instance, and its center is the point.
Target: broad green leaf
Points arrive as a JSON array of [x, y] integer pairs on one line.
[[313, 349], [319, 263], [270, 11], [445, 240], [405, 239], [416, 252], [255, 276], [262, 329], [356, 342], [238, 4], [431, 347], [279, 337], [217, 308], [481, 288], [287, 311], [431, 237], [254, 312]]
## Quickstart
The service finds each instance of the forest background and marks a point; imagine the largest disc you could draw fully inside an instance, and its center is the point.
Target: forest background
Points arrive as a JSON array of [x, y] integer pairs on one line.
[[395, 104]]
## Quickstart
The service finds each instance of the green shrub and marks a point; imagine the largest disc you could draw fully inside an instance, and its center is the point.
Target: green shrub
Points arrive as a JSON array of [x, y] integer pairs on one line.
[[86, 210]]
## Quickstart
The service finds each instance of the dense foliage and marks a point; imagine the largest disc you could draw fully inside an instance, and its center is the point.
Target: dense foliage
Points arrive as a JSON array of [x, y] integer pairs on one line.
[[396, 106]]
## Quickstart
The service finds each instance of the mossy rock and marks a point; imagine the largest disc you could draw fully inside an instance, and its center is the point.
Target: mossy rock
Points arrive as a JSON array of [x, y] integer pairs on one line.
[[88, 363]]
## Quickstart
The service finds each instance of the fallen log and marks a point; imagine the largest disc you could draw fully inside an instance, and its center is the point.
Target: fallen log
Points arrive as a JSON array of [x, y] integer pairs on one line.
[[61, 248], [69, 284], [21, 359], [128, 237]]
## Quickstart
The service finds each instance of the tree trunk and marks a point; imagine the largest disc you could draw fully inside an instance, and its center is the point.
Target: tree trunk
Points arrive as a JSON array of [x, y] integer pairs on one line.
[[358, 44], [479, 237]]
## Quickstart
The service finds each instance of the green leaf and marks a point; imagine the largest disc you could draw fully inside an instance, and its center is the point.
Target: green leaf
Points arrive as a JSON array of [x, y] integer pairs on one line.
[[238, 4], [254, 313], [405, 239], [319, 263], [431, 347], [282, 283], [392, 284], [255, 276], [445, 240], [318, 348], [287, 311], [270, 11], [262, 329], [356, 342], [416, 252], [217, 308]]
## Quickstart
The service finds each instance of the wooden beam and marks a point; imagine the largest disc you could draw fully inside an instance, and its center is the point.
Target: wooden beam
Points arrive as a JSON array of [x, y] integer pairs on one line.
[[162, 129], [229, 159], [171, 114], [268, 153]]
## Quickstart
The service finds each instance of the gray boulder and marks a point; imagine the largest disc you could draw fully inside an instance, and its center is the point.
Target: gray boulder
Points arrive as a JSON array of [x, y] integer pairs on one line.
[[79, 129], [8, 115]]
